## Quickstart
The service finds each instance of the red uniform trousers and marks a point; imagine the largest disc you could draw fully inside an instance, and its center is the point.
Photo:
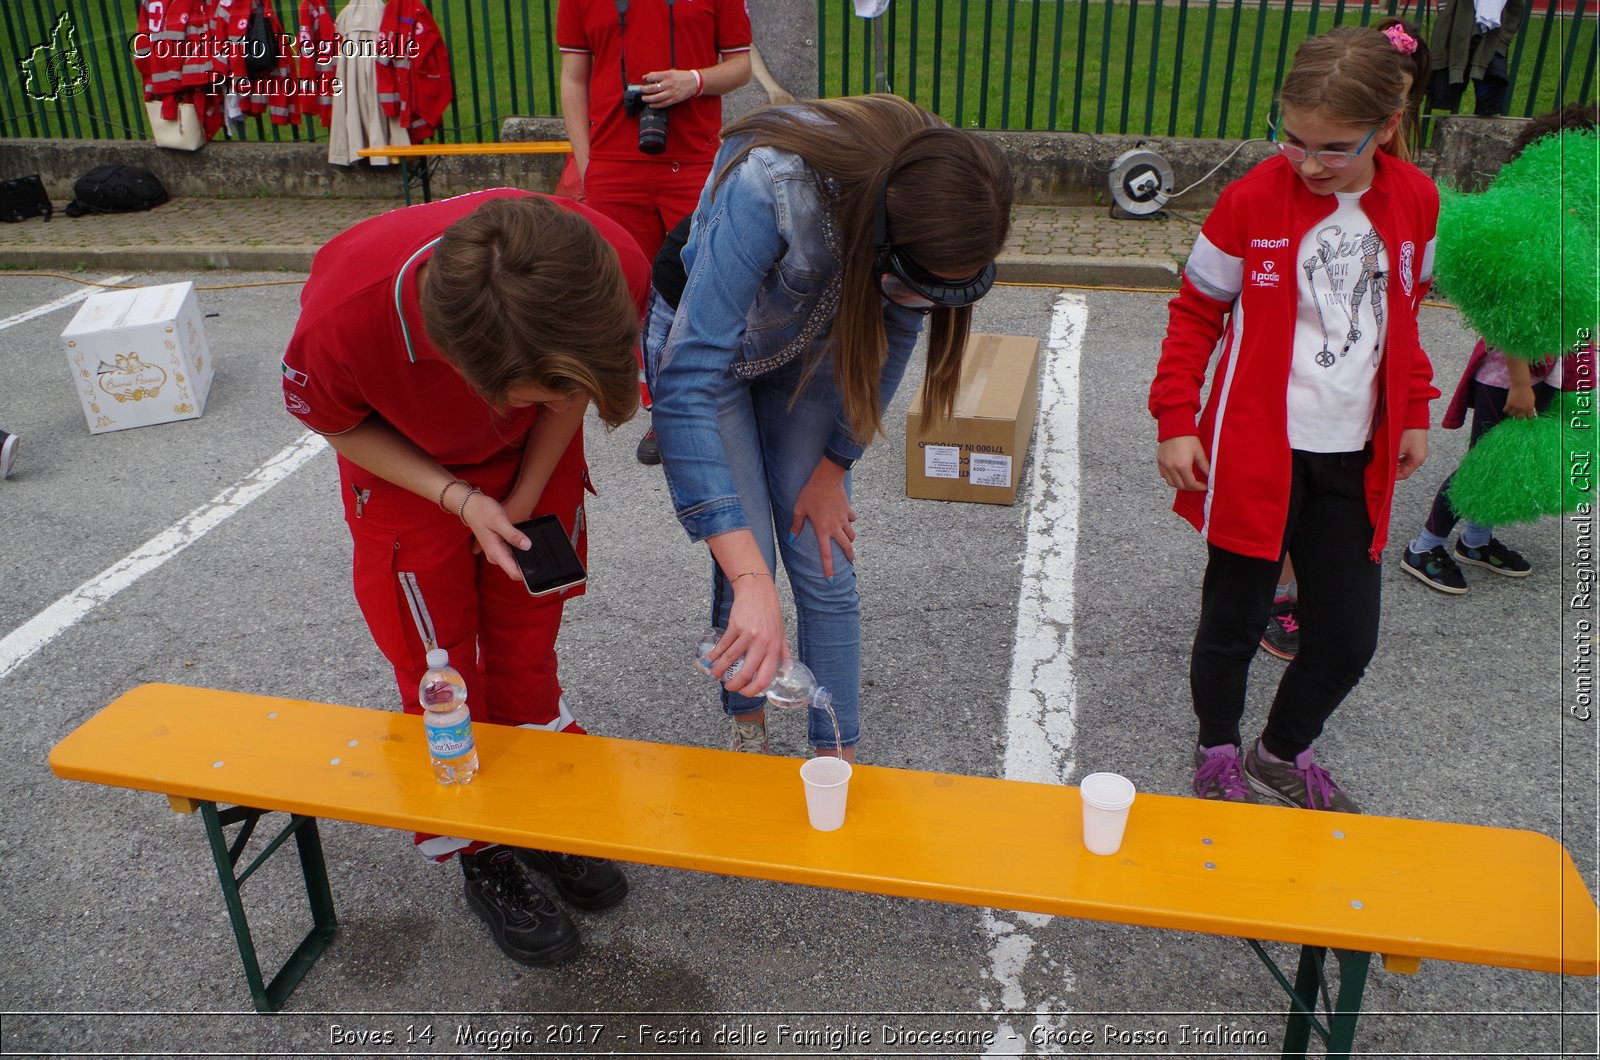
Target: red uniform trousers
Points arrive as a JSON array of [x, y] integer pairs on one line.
[[501, 639], [648, 199]]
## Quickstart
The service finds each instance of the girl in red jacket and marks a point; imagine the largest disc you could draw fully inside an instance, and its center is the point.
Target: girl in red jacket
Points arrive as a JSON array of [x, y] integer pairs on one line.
[[1310, 271]]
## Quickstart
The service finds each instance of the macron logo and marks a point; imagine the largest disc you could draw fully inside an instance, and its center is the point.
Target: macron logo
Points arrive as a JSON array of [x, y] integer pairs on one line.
[[1269, 244], [1268, 276]]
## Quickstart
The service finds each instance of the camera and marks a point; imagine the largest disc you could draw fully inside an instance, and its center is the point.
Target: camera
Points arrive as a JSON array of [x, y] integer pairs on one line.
[[652, 123]]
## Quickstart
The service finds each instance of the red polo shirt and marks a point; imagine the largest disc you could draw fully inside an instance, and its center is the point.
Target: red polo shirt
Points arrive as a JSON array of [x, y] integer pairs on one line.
[[705, 30], [351, 357]]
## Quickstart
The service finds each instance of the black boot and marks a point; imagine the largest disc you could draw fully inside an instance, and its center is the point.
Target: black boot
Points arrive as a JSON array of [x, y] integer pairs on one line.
[[526, 923], [588, 883], [648, 453]]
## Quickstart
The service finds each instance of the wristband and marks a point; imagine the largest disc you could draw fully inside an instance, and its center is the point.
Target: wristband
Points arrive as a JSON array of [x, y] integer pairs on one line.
[[447, 485], [699, 83], [461, 512]]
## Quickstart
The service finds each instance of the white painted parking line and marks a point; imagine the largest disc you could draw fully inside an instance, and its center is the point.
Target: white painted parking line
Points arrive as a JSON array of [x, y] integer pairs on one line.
[[1041, 701], [23, 642], [62, 302]]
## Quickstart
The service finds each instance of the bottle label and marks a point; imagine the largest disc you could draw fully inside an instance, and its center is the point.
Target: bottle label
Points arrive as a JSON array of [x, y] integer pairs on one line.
[[450, 741]]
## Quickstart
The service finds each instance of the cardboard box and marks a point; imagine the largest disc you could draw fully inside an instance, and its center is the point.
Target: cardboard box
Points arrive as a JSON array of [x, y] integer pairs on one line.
[[978, 454], [139, 357]]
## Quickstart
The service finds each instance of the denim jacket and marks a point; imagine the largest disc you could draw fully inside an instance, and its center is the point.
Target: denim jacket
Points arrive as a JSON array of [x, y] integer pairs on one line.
[[763, 288]]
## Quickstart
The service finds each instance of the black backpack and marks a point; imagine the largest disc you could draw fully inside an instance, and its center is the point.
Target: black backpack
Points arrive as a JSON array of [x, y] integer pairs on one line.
[[260, 43], [112, 188], [24, 197]]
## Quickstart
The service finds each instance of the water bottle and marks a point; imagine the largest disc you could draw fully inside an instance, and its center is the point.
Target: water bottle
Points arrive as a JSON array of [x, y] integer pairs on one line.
[[792, 686], [447, 722]]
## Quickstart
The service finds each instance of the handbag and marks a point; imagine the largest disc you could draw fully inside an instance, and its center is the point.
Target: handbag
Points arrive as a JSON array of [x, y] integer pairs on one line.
[[184, 133]]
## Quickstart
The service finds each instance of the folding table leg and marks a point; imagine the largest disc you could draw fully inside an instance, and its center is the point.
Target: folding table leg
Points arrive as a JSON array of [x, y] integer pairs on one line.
[[269, 997]]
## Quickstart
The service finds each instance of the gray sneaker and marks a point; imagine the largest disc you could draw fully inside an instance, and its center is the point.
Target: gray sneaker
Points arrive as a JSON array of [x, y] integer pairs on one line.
[[1217, 775], [1303, 784], [749, 736]]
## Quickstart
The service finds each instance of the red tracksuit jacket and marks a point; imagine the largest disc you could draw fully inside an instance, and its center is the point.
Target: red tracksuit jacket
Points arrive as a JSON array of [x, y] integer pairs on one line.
[[414, 88], [1241, 285]]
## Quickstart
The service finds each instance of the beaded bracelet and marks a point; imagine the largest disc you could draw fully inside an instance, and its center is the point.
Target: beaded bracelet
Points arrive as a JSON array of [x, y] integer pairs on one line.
[[447, 485], [461, 512]]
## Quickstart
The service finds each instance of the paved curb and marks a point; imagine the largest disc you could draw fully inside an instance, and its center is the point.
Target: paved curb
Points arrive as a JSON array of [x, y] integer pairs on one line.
[[1087, 271], [162, 259], [1047, 269]]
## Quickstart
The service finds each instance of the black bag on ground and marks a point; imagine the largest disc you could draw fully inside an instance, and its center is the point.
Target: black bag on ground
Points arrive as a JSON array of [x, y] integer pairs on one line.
[[24, 197], [113, 188]]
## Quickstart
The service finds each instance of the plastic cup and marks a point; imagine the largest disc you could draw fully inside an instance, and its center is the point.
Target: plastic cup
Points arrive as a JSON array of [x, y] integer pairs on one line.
[[1106, 798], [827, 782]]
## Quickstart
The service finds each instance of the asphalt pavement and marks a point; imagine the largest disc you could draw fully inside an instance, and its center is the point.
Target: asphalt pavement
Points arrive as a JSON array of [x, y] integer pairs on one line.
[[117, 941]]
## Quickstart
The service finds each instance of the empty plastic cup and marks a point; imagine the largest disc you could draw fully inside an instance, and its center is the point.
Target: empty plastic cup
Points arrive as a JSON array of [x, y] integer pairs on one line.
[[827, 782], [1106, 798]]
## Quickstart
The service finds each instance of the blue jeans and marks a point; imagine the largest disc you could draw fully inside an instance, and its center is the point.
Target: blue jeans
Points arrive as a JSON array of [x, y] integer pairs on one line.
[[772, 449]]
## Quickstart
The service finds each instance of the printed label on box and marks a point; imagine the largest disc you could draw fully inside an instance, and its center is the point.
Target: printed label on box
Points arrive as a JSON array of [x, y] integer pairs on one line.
[[941, 461], [990, 470]]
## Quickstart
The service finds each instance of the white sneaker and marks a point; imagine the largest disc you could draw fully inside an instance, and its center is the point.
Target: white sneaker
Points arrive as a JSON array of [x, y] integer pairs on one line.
[[9, 444]]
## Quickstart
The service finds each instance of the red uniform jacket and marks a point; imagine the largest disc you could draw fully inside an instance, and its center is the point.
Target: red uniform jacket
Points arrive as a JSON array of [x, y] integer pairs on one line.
[[413, 68], [1241, 285], [317, 49]]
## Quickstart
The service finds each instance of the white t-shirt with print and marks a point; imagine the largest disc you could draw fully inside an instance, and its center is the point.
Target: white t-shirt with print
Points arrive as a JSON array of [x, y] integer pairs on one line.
[[1338, 333]]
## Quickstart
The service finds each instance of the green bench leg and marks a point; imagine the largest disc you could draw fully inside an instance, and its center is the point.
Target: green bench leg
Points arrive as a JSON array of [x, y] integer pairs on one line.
[[269, 997], [1309, 988], [424, 176]]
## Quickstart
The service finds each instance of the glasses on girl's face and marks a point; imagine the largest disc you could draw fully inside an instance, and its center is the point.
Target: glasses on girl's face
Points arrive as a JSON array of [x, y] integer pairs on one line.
[[908, 284], [1331, 159]]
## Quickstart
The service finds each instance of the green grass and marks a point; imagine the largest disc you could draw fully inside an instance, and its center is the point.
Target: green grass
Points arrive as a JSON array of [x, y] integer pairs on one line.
[[1158, 67]]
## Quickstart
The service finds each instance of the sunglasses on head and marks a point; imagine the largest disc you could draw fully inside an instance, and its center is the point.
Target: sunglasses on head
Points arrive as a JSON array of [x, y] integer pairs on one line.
[[906, 283]]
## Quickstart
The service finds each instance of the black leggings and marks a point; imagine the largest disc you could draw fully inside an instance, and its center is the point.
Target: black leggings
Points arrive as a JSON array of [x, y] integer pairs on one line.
[[1328, 534]]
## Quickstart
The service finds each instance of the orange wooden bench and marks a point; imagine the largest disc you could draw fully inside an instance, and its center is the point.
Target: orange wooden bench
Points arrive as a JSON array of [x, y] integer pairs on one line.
[[1408, 890], [425, 153]]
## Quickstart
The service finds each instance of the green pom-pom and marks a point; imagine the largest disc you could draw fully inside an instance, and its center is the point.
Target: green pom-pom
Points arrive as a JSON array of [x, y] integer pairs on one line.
[[1568, 160], [1525, 469], [1518, 259]]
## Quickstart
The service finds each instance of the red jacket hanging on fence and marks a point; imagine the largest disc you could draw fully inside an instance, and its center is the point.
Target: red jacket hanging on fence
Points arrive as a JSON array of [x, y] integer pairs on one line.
[[258, 94], [318, 46], [161, 64], [413, 68], [175, 67]]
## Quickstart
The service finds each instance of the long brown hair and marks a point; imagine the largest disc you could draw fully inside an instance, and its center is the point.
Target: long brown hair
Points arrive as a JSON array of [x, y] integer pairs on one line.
[[522, 291], [949, 208], [1351, 76]]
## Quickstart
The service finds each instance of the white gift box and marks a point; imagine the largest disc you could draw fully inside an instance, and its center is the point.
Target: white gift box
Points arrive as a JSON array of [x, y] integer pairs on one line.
[[139, 357]]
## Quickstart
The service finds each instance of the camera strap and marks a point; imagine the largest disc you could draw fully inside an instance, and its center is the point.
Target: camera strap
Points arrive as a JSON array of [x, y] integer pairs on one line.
[[622, 38]]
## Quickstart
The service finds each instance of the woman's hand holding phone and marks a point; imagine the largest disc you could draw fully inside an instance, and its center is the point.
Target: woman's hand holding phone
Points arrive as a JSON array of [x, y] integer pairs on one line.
[[494, 533]]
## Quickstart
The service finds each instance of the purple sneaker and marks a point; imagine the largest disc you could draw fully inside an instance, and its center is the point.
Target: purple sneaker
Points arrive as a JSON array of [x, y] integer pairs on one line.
[[1303, 784], [1218, 775]]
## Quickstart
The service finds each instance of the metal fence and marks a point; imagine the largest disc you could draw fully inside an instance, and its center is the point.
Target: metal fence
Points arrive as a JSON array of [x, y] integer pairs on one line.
[[1204, 68], [1155, 67], [503, 63]]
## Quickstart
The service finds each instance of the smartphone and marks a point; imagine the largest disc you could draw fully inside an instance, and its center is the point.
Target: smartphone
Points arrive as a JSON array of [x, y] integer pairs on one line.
[[551, 564]]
